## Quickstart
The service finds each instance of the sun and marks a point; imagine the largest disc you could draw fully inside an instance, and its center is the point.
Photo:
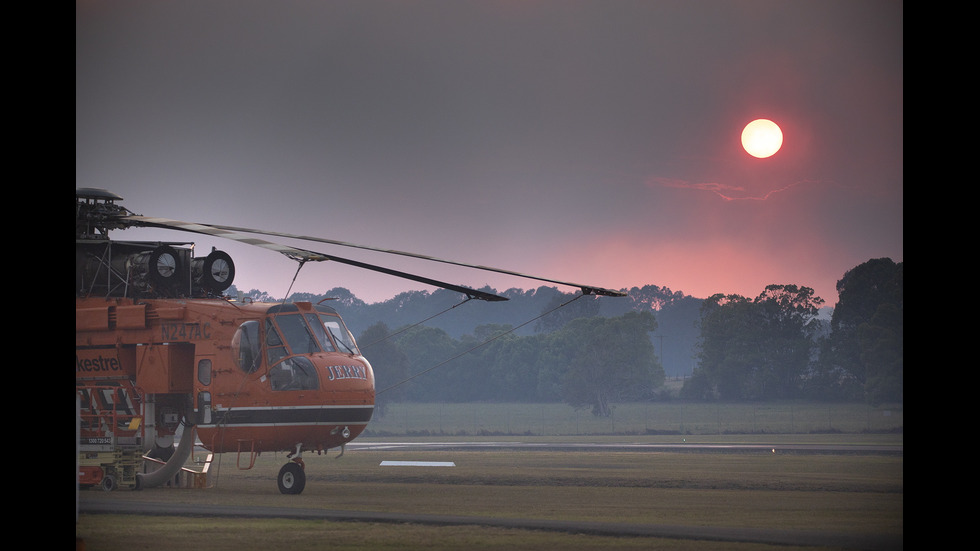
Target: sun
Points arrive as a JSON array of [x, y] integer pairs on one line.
[[762, 138]]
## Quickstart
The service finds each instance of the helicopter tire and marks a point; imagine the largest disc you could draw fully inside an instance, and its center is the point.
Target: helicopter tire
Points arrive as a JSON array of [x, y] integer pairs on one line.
[[292, 478], [108, 483]]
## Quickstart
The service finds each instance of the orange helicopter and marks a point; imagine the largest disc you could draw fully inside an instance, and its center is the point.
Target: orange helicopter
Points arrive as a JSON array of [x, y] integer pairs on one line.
[[160, 351]]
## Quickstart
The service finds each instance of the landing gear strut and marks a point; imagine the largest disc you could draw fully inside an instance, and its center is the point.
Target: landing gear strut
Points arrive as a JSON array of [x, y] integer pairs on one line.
[[292, 475]]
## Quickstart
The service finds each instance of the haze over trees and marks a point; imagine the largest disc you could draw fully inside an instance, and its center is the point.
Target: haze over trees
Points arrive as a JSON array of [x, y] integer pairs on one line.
[[544, 345]]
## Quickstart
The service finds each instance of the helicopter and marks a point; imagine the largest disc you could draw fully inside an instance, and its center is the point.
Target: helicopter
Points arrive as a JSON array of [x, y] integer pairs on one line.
[[161, 352]]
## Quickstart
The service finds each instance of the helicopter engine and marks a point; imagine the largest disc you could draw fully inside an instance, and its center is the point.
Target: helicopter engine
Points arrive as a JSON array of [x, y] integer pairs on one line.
[[215, 272], [138, 269], [154, 270], [150, 270]]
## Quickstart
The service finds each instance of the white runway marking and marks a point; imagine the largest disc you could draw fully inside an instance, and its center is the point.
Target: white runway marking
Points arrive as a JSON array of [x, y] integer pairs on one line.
[[417, 464]]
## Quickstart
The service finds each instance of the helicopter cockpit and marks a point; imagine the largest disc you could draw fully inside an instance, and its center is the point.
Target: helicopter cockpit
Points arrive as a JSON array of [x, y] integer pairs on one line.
[[289, 335]]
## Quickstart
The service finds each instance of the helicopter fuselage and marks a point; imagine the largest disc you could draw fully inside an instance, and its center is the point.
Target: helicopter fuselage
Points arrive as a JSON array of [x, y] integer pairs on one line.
[[250, 377]]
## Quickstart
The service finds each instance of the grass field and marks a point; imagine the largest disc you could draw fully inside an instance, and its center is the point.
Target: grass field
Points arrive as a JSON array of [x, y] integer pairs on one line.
[[555, 419], [859, 494]]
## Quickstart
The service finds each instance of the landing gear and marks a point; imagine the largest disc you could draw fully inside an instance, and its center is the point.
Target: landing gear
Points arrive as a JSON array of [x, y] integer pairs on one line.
[[292, 478], [292, 475]]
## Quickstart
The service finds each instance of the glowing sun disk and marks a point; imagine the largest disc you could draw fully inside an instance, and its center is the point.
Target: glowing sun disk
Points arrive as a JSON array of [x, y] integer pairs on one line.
[[762, 138]]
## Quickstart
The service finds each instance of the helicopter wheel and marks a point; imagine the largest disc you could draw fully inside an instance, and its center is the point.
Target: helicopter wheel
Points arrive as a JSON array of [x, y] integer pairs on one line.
[[292, 478], [109, 483]]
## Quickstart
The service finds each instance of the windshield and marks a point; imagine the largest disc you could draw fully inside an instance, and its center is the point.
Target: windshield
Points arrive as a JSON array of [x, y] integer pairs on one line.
[[321, 334], [306, 334], [297, 334], [337, 329]]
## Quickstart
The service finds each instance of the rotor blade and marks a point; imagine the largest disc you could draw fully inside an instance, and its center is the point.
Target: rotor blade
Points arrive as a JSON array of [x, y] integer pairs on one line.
[[301, 255], [586, 289]]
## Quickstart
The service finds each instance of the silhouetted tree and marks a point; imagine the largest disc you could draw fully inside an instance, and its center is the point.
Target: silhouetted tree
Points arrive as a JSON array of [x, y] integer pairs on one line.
[[865, 351], [609, 359], [756, 349]]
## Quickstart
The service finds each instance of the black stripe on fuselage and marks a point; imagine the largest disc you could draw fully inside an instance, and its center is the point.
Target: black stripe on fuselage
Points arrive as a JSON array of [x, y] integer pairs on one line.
[[292, 416]]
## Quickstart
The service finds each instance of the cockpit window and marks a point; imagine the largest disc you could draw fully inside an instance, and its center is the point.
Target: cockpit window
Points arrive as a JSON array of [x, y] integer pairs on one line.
[[340, 334], [297, 334], [295, 373], [320, 332], [245, 346], [272, 337], [275, 349]]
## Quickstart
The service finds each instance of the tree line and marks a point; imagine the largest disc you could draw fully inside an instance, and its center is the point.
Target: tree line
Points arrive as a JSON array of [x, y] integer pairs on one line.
[[772, 346], [590, 362], [591, 352]]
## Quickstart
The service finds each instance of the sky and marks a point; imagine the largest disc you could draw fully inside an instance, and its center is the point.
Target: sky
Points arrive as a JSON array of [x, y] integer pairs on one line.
[[591, 141]]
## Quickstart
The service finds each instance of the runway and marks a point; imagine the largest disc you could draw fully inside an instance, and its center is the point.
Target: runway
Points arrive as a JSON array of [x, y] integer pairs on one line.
[[703, 533], [634, 447], [95, 504]]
